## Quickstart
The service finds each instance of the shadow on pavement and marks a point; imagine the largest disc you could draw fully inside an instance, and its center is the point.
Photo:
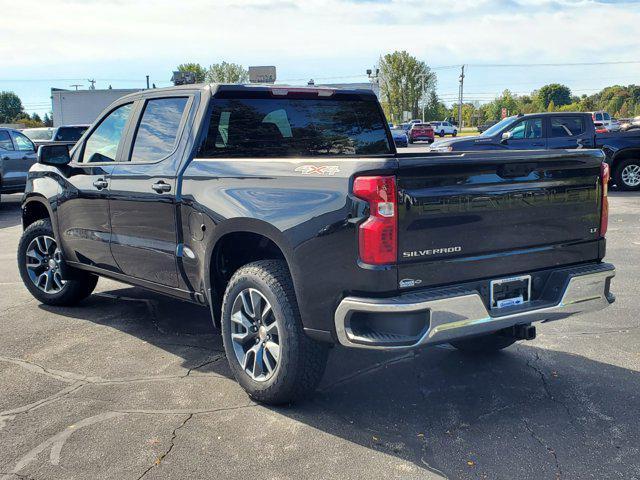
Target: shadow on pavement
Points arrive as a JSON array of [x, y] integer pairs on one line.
[[526, 412], [10, 210]]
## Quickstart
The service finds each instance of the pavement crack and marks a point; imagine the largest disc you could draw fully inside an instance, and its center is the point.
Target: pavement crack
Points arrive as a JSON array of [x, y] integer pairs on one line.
[[204, 364], [547, 388], [172, 441], [542, 443], [68, 377]]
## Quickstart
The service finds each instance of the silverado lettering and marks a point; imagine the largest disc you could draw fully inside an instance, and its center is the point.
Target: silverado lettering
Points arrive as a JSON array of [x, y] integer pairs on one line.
[[435, 251]]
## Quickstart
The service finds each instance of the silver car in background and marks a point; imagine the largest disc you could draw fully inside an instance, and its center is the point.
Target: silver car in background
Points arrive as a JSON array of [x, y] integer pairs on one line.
[[17, 154]]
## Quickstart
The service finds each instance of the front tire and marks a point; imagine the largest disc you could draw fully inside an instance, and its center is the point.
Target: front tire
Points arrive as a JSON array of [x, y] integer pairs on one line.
[[627, 175], [41, 268], [270, 356], [455, 133], [490, 343], [442, 133]]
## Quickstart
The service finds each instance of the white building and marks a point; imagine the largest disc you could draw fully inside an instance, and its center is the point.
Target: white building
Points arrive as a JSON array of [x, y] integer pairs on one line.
[[77, 107]]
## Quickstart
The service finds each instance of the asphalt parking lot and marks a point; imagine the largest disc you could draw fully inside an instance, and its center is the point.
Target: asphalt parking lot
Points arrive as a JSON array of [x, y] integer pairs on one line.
[[131, 385]]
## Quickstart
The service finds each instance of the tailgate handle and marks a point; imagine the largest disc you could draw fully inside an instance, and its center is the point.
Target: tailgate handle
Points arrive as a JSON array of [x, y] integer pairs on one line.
[[514, 170]]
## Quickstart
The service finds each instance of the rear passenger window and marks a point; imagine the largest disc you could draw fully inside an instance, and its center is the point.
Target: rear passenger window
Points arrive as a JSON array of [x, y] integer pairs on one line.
[[530, 128], [5, 140], [567, 126], [158, 129]]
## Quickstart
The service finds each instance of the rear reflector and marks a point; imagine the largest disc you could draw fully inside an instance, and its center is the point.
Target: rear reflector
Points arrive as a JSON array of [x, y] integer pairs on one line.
[[377, 236], [604, 217]]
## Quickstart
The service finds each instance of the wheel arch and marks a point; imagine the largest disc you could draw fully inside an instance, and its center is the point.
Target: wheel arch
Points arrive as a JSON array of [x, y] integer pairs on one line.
[[236, 243], [37, 207]]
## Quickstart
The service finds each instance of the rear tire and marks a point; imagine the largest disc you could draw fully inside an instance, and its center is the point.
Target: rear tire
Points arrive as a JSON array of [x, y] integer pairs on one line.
[[455, 133], [442, 133], [39, 262], [270, 356], [627, 174], [492, 342]]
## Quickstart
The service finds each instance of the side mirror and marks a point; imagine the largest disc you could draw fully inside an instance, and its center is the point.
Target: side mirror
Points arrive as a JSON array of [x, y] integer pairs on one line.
[[55, 155], [505, 137]]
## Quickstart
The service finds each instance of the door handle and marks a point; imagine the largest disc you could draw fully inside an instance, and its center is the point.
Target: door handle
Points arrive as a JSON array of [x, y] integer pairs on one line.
[[100, 183], [161, 187]]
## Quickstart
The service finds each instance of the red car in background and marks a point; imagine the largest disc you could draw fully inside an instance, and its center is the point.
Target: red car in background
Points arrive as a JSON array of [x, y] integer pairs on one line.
[[421, 132]]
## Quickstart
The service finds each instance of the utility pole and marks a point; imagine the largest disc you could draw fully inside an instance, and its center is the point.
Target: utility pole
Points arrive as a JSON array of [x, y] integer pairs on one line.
[[460, 98], [147, 82]]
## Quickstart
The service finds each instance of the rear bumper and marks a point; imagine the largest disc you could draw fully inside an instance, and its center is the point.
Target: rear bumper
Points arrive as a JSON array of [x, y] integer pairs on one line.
[[442, 315]]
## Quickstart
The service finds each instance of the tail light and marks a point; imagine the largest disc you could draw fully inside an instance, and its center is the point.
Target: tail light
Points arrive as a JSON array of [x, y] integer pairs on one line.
[[604, 178], [378, 235]]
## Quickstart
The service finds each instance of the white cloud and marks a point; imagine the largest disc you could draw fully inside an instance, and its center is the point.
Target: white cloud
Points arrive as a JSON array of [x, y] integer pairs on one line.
[[471, 31]]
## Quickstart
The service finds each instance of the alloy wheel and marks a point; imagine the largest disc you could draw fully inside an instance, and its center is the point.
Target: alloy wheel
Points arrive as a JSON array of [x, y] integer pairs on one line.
[[43, 261], [255, 335], [631, 175]]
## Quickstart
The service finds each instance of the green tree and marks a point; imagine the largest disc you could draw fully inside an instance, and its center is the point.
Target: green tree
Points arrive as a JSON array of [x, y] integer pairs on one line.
[[556, 93], [227, 73], [404, 81], [198, 70], [47, 121], [10, 106], [435, 109]]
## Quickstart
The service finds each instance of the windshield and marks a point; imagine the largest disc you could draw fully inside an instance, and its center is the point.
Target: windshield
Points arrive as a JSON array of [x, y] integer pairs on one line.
[[39, 133], [490, 132]]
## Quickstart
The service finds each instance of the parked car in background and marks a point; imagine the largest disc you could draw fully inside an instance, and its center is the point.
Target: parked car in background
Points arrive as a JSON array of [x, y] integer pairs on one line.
[[17, 155], [41, 134], [486, 125], [400, 137], [631, 124], [559, 130], [602, 116], [421, 132], [600, 128], [444, 128], [406, 127], [64, 135], [615, 125]]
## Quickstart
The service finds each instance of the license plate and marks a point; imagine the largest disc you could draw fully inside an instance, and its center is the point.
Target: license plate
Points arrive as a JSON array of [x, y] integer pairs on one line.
[[509, 292]]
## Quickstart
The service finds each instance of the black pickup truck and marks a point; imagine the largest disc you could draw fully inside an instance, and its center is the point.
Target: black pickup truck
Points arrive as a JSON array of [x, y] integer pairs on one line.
[[288, 212], [558, 130]]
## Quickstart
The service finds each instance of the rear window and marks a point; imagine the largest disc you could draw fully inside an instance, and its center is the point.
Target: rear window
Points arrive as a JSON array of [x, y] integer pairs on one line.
[[69, 134], [567, 126], [291, 127]]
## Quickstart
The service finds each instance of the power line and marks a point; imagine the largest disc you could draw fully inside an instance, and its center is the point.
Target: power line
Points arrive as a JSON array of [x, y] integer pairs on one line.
[[576, 64]]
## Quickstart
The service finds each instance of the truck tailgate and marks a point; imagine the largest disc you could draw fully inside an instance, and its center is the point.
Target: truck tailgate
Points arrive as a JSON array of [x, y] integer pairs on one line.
[[484, 214]]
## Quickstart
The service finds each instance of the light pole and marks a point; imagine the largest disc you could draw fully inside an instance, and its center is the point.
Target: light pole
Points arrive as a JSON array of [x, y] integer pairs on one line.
[[460, 98], [373, 78]]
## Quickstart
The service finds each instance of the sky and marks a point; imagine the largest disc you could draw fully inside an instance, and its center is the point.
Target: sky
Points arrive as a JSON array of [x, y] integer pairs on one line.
[[58, 43]]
